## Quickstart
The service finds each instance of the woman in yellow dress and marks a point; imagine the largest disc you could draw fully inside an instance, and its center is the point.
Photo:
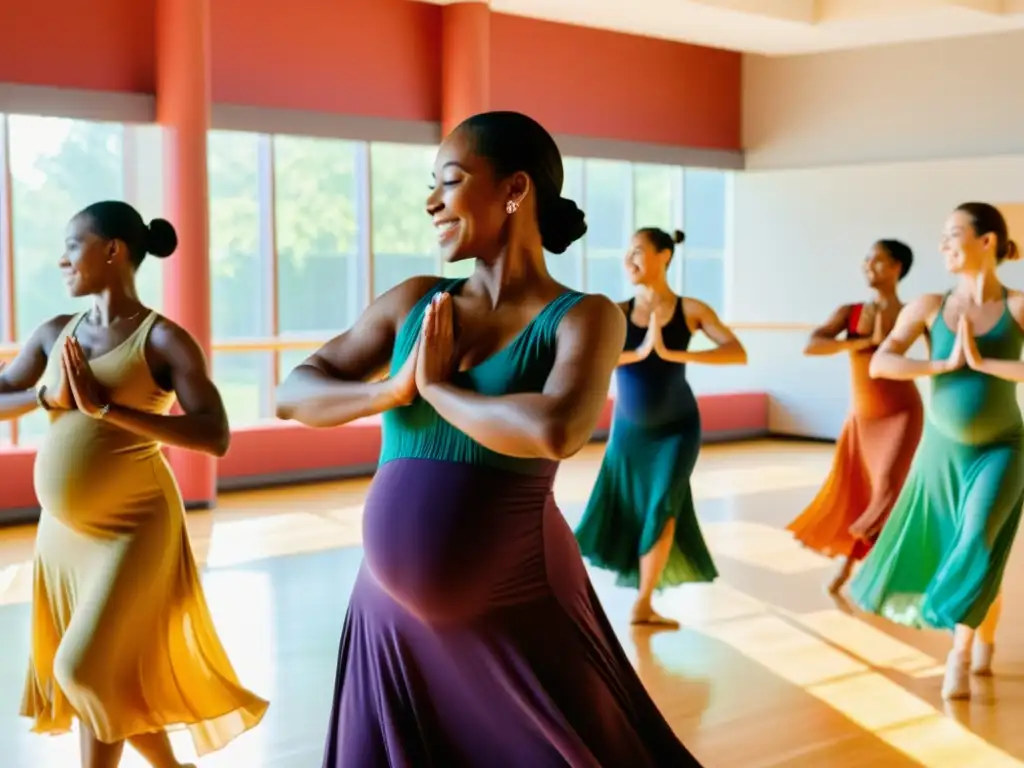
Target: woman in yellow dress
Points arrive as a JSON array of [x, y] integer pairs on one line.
[[122, 639]]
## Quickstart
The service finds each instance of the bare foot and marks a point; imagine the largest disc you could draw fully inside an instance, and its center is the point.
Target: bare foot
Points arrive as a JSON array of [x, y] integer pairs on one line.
[[650, 617]]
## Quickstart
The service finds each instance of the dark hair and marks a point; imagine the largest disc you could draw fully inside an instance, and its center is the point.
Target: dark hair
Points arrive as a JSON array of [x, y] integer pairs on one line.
[[662, 240], [899, 252], [988, 220], [513, 142], [116, 220]]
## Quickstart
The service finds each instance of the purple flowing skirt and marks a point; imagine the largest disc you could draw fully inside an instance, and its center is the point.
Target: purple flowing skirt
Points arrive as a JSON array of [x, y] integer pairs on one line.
[[474, 637]]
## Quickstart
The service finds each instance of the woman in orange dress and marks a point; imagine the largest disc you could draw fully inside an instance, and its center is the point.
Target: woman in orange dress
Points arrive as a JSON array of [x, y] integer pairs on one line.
[[880, 436]]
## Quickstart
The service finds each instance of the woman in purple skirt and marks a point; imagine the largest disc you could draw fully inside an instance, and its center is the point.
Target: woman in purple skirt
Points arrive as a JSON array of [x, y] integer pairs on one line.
[[473, 635]]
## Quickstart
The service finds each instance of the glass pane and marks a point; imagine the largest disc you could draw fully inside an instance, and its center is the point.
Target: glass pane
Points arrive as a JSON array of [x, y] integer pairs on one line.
[[244, 380], [237, 278], [317, 230], [610, 223], [145, 192], [566, 267], [58, 167], [404, 241], [705, 202], [656, 203]]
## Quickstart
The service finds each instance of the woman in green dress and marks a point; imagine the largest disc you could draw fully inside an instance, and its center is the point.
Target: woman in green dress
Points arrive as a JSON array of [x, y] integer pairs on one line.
[[939, 560], [640, 521]]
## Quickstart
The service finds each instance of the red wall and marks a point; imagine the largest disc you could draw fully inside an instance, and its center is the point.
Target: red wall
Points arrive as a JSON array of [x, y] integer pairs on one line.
[[382, 58]]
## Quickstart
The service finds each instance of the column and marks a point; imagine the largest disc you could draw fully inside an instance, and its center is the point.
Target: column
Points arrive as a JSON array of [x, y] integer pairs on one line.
[[465, 62], [183, 110]]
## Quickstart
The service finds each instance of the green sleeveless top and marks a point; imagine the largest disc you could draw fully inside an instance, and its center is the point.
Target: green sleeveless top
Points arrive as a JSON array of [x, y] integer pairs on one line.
[[971, 407], [416, 431]]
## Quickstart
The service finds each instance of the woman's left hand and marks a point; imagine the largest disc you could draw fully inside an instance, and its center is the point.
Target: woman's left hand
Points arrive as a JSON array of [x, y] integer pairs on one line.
[[89, 395], [970, 346], [437, 343]]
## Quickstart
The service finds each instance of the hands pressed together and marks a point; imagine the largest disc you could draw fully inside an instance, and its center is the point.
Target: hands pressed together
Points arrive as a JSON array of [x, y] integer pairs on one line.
[[77, 387], [653, 341], [965, 349], [432, 360]]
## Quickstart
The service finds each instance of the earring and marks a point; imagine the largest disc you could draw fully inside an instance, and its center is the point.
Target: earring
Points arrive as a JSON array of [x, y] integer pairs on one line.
[[110, 261], [511, 207]]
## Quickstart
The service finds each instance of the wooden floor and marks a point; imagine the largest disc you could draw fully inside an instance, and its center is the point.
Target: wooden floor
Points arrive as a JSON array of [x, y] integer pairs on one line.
[[767, 671]]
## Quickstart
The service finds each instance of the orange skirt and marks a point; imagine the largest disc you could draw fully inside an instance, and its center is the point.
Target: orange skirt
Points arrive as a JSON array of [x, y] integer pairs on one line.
[[872, 459]]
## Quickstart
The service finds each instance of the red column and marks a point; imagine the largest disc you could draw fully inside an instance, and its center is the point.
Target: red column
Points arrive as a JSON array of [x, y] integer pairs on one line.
[[183, 109], [465, 62]]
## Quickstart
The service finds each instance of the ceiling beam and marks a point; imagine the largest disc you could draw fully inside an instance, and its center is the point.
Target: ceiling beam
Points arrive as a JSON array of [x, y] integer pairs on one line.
[[797, 11]]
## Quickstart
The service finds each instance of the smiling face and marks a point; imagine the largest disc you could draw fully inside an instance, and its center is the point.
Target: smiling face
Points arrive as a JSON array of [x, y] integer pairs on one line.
[[881, 270], [644, 263], [467, 202], [962, 248], [84, 263]]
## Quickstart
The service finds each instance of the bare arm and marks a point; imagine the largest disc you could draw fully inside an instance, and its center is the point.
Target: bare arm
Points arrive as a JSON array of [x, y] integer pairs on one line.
[[203, 425], [824, 341], [557, 422], [18, 380], [890, 361], [728, 349], [340, 382]]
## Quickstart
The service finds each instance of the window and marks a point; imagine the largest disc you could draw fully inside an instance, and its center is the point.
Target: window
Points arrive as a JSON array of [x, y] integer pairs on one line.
[[705, 208], [404, 241], [657, 203], [58, 167], [608, 200], [239, 284], [567, 268]]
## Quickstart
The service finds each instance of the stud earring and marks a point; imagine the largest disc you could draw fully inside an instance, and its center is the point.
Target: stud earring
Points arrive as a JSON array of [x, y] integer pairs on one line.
[[511, 207]]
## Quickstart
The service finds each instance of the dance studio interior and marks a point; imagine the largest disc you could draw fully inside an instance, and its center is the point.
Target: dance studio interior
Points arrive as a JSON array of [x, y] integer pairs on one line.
[[800, 150]]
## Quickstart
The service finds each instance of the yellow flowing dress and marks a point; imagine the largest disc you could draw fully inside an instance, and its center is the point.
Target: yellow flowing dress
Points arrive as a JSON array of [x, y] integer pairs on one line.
[[122, 637]]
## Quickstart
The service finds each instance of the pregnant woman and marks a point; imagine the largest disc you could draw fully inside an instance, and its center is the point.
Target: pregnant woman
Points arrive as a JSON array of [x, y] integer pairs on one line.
[[641, 521], [122, 639], [878, 441], [939, 561], [473, 636]]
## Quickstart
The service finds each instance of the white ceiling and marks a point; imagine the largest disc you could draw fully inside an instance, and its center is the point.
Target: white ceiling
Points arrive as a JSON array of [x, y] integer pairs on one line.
[[779, 27]]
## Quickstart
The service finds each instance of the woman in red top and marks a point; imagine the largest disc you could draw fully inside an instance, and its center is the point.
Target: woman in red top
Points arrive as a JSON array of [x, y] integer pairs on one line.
[[880, 435]]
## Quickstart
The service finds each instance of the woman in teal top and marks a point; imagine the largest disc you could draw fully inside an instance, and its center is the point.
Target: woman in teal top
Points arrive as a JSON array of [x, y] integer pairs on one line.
[[473, 636], [940, 558]]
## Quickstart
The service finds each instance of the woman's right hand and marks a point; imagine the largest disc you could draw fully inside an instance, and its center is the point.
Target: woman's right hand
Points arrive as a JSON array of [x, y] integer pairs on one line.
[[651, 339], [957, 357], [403, 383], [60, 397]]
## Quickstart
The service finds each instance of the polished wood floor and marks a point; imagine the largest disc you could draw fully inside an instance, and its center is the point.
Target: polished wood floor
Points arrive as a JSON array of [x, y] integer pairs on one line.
[[767, 670]]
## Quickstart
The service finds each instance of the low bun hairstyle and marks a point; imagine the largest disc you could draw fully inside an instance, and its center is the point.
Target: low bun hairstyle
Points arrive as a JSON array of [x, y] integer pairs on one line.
[[116, 220], [662, 240], [513, 142], [988, 220]]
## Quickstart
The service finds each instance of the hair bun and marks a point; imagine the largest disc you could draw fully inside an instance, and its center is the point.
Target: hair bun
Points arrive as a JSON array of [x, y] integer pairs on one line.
[[562, 223], [679, 237], [161, 239], [1013, 251]]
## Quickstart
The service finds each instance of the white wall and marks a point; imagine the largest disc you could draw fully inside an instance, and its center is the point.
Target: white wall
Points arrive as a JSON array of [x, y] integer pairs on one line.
[[842, 149], [798, 240]]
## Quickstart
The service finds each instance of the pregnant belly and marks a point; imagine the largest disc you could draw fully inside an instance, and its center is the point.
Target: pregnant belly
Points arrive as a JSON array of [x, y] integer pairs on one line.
[[452, 541], [974, 409], [96, 477]]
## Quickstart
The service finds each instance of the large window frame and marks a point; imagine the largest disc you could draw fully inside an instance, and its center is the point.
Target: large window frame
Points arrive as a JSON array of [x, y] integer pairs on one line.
[[271, 341]]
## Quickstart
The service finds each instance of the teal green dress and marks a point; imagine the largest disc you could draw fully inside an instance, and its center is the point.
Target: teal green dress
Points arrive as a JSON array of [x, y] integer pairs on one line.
[[940, 558], [644, 479], [473, 635]]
